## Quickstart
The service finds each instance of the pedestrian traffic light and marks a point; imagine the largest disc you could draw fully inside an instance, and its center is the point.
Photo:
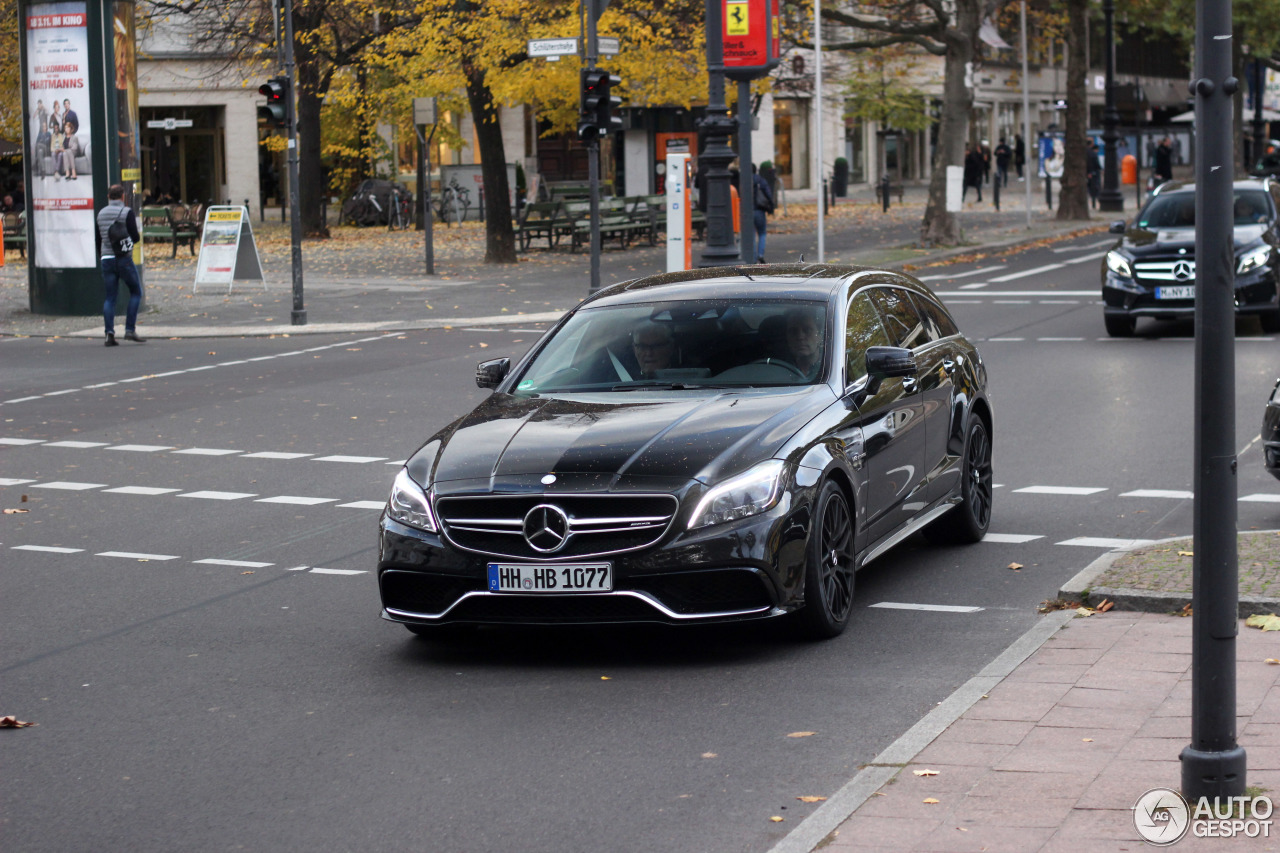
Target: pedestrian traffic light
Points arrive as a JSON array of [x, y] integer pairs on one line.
[[276, 111], [598, 104]]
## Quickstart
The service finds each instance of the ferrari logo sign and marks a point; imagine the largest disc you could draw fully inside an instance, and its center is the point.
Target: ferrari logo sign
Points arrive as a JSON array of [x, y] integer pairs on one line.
[[737, 21]]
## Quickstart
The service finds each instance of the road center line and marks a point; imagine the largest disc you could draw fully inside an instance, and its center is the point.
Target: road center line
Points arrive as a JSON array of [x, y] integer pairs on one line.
[[938, 608]]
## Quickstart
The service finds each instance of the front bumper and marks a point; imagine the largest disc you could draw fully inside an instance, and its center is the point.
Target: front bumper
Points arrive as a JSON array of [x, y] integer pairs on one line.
[[1256, 292], [750, 569]]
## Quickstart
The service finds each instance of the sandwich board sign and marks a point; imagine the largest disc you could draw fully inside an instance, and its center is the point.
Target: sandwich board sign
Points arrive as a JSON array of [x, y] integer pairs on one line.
[[227, 250]]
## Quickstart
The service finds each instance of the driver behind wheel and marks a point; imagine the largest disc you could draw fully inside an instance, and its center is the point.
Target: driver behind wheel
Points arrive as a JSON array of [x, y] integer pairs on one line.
[[804, 341], [654, 346]]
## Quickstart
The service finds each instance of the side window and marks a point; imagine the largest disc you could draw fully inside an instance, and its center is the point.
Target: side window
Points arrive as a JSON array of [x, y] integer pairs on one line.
[[901, 321], [938, 323], [862, 329]]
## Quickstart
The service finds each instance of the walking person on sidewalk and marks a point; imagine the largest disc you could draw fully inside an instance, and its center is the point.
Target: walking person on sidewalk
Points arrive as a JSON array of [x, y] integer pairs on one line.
[[1003, 155], [116, 253], [1019, 153], [972, 172], [762, 205]]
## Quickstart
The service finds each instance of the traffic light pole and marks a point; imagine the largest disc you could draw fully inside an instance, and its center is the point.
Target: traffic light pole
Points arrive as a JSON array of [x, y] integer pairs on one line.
[[298, 316], [593, 157], [715, 131]]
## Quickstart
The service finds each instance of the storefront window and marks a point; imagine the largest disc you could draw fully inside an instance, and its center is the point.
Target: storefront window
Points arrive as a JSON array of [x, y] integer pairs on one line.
[[791, 142]]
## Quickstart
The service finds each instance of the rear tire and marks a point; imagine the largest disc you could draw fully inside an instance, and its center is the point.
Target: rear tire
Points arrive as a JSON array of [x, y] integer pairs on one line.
[[1120, 325], [829, 567], [969, 520]]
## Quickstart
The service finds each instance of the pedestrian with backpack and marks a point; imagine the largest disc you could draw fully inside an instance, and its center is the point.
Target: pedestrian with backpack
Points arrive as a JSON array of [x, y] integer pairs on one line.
[[117, 234], [762, 205]]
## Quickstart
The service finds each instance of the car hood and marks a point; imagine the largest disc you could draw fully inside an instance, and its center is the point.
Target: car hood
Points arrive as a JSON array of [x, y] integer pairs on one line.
[[1144, 241], [696, 436]]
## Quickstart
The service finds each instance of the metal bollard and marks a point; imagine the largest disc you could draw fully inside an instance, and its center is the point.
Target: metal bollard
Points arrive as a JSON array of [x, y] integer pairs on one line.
[[885, 185]]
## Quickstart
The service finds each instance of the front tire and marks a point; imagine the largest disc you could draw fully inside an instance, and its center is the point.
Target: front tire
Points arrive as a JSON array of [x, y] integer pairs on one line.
[[829, 567], [969, 520], [1120, 325]]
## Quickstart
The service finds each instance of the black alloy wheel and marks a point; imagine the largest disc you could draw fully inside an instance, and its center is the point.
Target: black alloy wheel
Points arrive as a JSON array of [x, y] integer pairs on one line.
[[829, 569], [1120, 325], [968, 522]]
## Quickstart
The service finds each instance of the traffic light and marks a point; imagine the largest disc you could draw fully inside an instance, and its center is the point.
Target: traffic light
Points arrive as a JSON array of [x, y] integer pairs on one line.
[[276, 112], [598, 104]]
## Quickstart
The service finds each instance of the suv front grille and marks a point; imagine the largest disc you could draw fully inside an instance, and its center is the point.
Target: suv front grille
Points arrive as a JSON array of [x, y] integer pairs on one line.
[[1163, 270], [595, 524]]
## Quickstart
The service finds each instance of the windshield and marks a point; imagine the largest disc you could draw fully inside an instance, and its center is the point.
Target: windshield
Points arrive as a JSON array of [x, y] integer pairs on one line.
[[683, 345], [1178, 210]]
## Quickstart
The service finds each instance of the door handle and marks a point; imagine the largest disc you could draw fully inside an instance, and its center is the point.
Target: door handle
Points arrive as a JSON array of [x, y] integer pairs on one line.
[[909, 384]]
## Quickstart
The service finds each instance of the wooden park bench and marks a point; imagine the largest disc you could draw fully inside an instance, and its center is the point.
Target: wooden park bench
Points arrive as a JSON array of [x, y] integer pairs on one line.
[[158, 223], [15, 232], [542, 220]]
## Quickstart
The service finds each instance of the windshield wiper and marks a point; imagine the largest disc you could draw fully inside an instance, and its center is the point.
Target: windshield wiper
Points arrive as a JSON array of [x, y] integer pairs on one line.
[[663, 386]]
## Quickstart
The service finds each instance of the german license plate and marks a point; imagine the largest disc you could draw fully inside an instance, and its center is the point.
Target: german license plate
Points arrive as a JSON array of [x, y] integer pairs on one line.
[[1180, 291], [563, 577]]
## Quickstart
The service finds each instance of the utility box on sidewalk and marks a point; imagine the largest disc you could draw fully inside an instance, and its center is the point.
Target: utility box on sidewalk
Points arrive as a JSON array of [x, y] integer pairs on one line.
[[955, 189]]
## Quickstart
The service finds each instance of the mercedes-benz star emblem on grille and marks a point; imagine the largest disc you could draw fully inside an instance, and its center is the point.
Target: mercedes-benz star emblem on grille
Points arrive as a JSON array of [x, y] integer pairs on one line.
[[546, 528], [1184, 270]]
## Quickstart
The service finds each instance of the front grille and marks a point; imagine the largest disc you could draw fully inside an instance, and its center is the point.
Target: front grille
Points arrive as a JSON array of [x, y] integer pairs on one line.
[[415, 592], [712, 591], [1163, 270], [597, 524]]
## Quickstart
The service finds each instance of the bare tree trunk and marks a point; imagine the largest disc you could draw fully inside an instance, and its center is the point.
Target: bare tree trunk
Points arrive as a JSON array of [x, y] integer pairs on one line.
[[1073, 198], [500, 239], [940, 226]]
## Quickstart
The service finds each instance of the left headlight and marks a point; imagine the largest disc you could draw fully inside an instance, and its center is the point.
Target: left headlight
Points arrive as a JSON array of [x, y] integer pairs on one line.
[[750, 493], [1253, 259], [408, 504], [1119, 264]]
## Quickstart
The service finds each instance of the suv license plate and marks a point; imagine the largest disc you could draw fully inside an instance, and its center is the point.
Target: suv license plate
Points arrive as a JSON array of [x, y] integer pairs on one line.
[[563, 577], [1181, 291]]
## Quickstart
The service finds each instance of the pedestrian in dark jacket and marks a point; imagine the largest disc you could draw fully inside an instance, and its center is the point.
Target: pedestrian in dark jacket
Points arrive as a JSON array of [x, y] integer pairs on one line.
[[1093, 173], [972, 172], [1003, 156], [118, 268], [1019, 153], [762, 205], [1164, 160]]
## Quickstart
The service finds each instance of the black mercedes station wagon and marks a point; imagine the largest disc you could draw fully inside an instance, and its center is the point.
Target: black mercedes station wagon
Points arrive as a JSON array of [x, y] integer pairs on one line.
[[696, 447], [1151, 272]]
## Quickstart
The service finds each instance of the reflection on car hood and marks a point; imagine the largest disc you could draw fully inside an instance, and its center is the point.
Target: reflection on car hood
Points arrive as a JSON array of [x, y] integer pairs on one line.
[[703, 436], [1146, 241]]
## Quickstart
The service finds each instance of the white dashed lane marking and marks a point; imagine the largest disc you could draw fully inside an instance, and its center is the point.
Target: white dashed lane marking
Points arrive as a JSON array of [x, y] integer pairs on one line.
[[136, 448], [70, 487], [165, 558], [218, 496], [147, 376], [76, 444], [141, 490], [358, 460], [1060, 490], [1114, 544], [295, 499], [937, 608], [1160, 493], [1010, 538], [207, 451]]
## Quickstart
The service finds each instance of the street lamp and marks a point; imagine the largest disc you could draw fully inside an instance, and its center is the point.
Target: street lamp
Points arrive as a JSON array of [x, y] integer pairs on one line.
[[1110, 198]]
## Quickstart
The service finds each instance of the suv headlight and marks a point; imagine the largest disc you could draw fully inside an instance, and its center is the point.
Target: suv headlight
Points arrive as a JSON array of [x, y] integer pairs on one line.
[[408, 504], [1119, 264], [1253, 259], [750, 493]]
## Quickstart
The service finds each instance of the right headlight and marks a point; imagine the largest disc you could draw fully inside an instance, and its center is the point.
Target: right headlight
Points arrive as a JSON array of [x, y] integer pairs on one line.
[[1119, 264], [752, 492], [1253, 259], [408, 504]]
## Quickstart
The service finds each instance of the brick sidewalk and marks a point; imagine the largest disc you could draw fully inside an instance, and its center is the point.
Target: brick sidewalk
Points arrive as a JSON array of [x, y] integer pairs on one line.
[[1055, 756]]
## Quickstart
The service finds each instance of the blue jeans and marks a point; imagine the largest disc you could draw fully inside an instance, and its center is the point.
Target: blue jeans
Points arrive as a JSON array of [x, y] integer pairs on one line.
[[762, 223], [114, 271]]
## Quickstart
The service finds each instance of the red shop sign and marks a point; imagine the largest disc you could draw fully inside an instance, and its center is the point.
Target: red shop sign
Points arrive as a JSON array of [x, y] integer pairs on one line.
[[750, 38]]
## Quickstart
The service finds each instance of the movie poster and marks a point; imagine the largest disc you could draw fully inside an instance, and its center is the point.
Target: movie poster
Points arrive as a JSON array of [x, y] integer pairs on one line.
[[60, 198]]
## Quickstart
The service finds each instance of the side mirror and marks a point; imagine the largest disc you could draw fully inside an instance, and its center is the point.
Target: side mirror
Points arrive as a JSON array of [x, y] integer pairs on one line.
[[489, 374], [1117, 227], [890, 361]]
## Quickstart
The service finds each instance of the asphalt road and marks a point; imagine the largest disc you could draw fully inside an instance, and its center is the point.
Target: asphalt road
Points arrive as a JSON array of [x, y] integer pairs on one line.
[[202, 652]]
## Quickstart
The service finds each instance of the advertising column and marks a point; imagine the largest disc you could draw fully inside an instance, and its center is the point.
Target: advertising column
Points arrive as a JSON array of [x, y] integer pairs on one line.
[[75, 140]]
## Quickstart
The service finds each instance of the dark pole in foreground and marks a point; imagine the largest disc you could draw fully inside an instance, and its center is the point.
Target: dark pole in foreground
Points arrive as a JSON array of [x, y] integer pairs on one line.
[[1259, 133], [593, 156], [714, 131], [298, 316], [746, 178], [1110, 198], [1213, 765]]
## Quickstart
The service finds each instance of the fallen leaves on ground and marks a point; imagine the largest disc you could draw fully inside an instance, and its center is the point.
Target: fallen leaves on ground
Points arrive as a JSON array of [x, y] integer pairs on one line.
[[1186, 610], [925, 772], [802, 734], [1186, 553], [1273, 661], [1269, 622], [1052, 604], [1015, 566], [1084, 611], [810, 799], [12, 722], [776, 819], [930, 800], [15, 511], [709, 755]]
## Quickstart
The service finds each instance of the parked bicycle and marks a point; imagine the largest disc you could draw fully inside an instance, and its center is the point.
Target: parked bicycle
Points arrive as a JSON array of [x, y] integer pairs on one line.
[[453, 203], [400, 212]]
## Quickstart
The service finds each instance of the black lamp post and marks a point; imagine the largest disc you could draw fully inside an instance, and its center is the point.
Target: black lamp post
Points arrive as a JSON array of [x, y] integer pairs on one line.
[[1110, 198], [1259, 135], [715, 131]]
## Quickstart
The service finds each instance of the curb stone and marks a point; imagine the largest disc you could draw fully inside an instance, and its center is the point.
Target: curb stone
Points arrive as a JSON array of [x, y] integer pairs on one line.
[[1080, 588]]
